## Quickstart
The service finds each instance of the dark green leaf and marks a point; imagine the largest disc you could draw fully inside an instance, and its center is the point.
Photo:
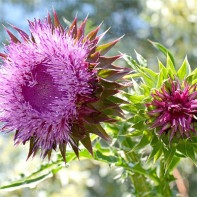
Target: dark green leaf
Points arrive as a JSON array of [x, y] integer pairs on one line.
[[169, 155], [133, 98], [165, 51], [190, 151], [105, 158], [156, 148], [135, 133], [145, 140], [174, 163], [140, 126]]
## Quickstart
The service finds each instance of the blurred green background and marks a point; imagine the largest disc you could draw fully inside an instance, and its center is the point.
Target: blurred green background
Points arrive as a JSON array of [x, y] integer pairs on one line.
[[170, 22]]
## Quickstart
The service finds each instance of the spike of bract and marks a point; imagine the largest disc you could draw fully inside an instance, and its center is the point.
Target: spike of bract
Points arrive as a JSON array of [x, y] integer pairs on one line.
[[3, 55], [22, 33], [106, 47], [81, 30], [73, 28], [53, 93], [92, 35], [13, 38], [57, 22], [49, 19], [102, 35]]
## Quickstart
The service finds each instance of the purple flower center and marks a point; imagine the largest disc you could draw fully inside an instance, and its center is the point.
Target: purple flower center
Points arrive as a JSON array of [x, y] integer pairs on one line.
[[40, 91], [175, 109]]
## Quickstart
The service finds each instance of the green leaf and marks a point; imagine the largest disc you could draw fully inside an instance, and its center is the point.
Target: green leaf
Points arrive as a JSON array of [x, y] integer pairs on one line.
[[151, 74], [46, 171], [105, 158], [136, 86], [146, 90], [131, 76], [131, 62], [162, 75], [82, 153], [174, 163], [194, 78], [184, 70], [161, 67], [149, 77], [135, 133], [130, 108], [190, 151], [165, 51], [191, 77], [181, 147], [152, 174], [137, 118], [194, 81], [27, 183], [148, 80], [145, 140], [157, 155], [170, 66], [141, 60], [140, 126], [156, 148], [169, 155], [133, 98], [54, 171]]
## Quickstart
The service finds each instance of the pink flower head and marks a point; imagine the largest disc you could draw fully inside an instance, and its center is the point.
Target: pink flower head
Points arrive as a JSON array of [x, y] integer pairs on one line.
[[53, 89], [175, 106]]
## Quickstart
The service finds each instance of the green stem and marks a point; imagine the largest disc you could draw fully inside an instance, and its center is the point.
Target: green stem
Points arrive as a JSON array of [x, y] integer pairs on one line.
[[164, 185], [139, 180]]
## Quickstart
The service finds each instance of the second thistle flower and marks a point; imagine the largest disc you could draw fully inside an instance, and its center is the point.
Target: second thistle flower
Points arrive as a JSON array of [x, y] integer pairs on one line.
[[174, 108], [164, 108]]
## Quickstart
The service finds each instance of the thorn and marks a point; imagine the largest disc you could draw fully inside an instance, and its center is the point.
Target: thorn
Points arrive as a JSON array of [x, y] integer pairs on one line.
[[13, 38]]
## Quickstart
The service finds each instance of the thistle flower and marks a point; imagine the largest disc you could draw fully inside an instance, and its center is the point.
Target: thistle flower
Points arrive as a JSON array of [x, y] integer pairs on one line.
[[163, 108], [56, 86], [175, 106]]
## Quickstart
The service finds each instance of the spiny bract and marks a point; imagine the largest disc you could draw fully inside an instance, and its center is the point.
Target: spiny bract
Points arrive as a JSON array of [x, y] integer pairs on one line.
[[56, 86]]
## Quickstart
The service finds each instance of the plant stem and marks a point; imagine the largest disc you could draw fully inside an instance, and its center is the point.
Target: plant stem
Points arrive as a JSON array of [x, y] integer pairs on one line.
[[141, 186], [164, 185]]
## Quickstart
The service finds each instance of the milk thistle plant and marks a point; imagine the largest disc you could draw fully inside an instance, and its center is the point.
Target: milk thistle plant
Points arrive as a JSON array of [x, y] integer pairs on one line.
[[57, 89]]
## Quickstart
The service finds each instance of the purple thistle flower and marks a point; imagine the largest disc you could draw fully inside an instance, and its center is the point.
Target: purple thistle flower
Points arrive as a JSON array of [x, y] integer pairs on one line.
[[52, 91], [175, 106]]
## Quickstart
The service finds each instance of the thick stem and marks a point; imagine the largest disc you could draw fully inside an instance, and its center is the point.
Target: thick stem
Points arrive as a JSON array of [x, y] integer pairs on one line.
[[139, 180], [164, 185]]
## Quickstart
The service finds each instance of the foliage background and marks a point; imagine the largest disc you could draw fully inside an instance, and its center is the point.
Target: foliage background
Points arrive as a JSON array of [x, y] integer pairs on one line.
[[170, 22]]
